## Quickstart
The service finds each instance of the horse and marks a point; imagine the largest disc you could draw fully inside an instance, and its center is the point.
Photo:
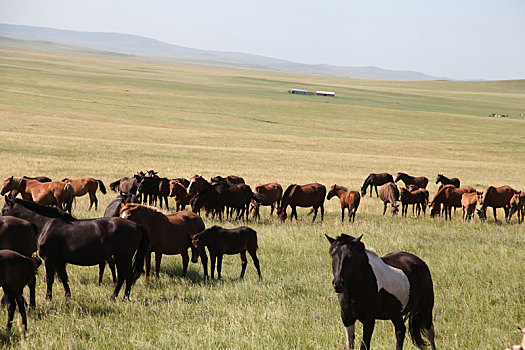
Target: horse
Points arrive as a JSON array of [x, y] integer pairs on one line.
[[231, 179], [87, 185], [56, 193], [311, 195], [419, 181], [211, 200], [20, 236], [394, 287], [517, 204], [450, 196], [496, 197], [16, 271], [446, 181], [415, 196], [169, 234], [389, 193], [271, 194], [468, 204], [374, 180], [38, 178], [349, 200], [66, 240], [180, 194], [222, 241], [125, 185]]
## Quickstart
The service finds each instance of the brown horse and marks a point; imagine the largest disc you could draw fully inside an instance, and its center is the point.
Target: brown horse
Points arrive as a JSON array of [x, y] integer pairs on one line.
[[87, 185], [517, 204], [349, 200], [415, 196], [374, 180], [311, 195], [56, 193], [468, 204], [20, 236], [496, 197], [271, 194], [180, 194], [197, 185], [16, 271], [419, 181], [389, 193], [450, 196], [126, 185], [169, 234]]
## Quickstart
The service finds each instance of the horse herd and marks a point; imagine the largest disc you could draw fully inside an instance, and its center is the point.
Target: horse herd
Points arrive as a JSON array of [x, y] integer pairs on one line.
[[395, 286]]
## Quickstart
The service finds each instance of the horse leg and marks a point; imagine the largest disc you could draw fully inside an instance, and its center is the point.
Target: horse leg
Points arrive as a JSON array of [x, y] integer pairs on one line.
[[219, 266], [244, 262], [401, 329], [430, 336], [494, 211], [204, 260], [101, 267], [22, 310], [62, 275], [185, 261], [147, 261], [377, 194], [384, 207], [111, 264], [32, 288], [368, 329], [123, 273], [342, 215], [50, 278], [11, 306], [315, 213], [322, 212], [212, 264], [93, 199], [350, 337], [158, 258], [253, 254]]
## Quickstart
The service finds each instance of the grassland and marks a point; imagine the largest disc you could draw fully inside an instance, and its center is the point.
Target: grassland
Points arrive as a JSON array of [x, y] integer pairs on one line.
[[66, 113]]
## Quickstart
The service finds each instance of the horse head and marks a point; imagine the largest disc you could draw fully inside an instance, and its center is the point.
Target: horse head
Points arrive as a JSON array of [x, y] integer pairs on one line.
[[333, 192], [344, 251], [281, 212]]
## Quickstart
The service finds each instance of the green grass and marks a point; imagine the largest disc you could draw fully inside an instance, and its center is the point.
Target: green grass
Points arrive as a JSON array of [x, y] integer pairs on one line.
[[67, 114]]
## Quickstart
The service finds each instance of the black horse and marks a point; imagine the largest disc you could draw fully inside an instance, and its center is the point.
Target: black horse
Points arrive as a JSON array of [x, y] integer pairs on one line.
[[446, 181], [374, 180], [113, 209], [394, 287], [66, 240]]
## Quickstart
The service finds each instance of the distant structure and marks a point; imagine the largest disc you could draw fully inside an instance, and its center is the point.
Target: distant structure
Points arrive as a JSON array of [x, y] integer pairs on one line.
[[306, 92], [496, 115]]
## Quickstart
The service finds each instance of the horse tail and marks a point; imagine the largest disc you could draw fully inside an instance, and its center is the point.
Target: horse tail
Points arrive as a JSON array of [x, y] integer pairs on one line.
[[140, 255], [70, 196], [420, 318], [114, 185], [102, 187]]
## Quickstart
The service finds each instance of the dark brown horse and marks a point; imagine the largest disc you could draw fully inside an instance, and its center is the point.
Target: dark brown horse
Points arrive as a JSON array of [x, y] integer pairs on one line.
[[415, 196], [419, 181], [311, 195], [65, 240], [38, 178], [16, 271], [374, 180], [446, 181], [169, 234], [56, 193], [21, 236], [222, 241], [395, 287], [125, 185], [271, 195], [450, 197], [389, 193], [231, 179], [496, 197], [349, 200], [87, 185]]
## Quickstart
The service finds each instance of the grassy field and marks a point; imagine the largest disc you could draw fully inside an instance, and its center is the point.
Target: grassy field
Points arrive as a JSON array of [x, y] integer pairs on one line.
[[74, 114]]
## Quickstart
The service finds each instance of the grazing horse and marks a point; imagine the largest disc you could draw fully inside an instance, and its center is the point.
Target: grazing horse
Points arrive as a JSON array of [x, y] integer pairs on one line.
[[66, 240], [389, 193], [349, 200], [271, 194], [21, 236], [180, 194], [16, 271], [415, 196], [394, 287], [222, 241], [56, 193], [419, 181], [87, 185], [517, 204], [311, 195], [169, 234], [496, 197], [374, 180], [38, 178], [125, 185], [449, 196], [446, 181]]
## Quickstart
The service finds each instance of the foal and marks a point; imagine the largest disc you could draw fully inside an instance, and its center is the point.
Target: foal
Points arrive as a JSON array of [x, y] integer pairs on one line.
[[349, 200]]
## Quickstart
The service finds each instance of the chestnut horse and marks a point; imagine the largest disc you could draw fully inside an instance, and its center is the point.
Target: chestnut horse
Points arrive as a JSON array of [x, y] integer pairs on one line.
[[349, 200], [419, 181], [374, 180], [450, 196], [87, 185], [56, 193], [389, 193], [311, 195], [496, 197], [517, 204], [169, 234], [271, 194], [180, 194]]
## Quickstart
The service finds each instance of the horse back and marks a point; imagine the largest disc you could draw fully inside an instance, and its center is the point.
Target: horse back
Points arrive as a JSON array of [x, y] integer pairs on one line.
[[308, 195], [18, 235]]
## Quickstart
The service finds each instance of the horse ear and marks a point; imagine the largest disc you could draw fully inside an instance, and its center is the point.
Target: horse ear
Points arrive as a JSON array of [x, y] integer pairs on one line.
[[330, 239], [358, 239]]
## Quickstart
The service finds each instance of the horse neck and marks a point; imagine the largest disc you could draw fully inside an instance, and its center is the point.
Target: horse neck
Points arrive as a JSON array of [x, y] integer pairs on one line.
[[36, 219], [362, 277]]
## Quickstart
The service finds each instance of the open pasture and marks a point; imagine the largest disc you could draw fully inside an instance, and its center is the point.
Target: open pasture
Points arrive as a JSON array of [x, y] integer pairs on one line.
[[76, 113]]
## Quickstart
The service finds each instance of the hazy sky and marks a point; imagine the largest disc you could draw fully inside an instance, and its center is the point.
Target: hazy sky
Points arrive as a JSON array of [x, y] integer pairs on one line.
[[461, 39]]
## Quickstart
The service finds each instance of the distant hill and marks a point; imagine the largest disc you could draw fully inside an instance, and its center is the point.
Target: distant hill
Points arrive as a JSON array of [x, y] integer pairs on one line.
[[146, 47]]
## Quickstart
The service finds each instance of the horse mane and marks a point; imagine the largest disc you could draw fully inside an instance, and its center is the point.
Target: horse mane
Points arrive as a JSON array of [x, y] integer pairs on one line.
[[289, 190], [441, 189], [45, 210], [367, 180], [337, 187]]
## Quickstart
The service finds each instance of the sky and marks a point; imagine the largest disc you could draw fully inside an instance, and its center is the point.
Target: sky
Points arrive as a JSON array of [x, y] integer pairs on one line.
[[458, 39]]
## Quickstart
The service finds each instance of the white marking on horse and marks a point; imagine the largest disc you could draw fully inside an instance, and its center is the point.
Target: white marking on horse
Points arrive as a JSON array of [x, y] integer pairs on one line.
[[124, 215], [391, 279], [350, 337], [189, 186]]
